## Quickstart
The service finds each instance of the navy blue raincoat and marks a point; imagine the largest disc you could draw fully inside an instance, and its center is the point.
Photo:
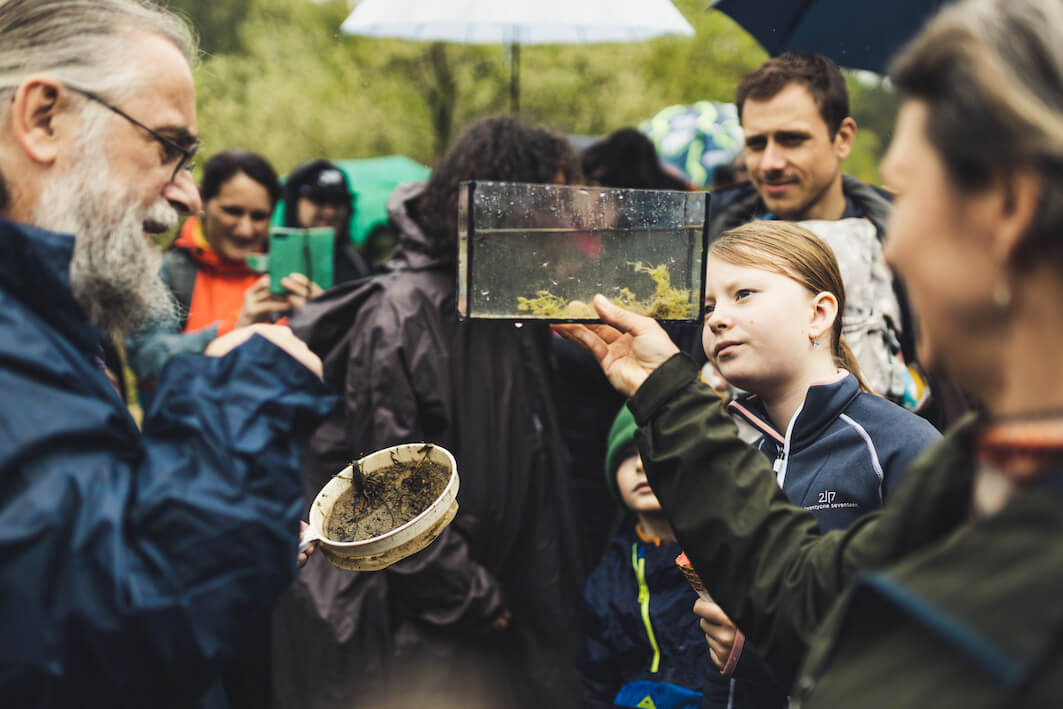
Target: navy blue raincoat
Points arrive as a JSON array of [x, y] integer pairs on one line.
[[132, 565]]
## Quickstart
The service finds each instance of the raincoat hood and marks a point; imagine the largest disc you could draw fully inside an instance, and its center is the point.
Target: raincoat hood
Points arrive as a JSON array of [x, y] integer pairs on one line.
[[413, 248]]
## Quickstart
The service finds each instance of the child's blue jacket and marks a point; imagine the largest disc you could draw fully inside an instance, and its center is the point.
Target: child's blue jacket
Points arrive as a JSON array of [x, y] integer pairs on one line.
[[642, 638]]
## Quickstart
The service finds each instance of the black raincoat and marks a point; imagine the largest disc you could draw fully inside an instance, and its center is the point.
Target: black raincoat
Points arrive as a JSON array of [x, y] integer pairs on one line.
[[410, 371]]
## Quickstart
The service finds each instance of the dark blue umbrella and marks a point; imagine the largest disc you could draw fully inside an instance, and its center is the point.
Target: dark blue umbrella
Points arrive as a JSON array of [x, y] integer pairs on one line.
[[858, 34]]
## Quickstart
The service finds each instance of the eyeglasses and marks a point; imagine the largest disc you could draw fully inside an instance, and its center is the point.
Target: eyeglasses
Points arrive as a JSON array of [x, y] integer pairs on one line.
[[183, 154]]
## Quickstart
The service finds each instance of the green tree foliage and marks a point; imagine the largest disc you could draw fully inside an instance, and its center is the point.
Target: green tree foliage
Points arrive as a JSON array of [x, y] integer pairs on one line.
[[280, 78], [874, 106], [214, 21]]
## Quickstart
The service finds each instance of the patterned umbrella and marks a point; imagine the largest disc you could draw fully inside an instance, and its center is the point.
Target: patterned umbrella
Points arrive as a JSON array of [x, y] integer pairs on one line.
[[696, 138]]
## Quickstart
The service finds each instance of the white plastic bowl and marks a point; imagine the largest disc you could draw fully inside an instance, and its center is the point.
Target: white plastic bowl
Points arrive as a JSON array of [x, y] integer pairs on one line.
[[384, 550]]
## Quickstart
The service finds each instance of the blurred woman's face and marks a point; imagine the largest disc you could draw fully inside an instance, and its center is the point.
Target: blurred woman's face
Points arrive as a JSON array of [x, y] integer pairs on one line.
[[236, 220], [941, 243]]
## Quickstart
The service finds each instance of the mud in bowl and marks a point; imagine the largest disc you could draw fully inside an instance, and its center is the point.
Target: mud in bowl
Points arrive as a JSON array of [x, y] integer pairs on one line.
[[384, 507]]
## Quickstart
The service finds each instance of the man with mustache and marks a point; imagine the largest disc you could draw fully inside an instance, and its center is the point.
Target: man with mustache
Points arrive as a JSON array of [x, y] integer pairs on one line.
[[133, 564], [794, 110]]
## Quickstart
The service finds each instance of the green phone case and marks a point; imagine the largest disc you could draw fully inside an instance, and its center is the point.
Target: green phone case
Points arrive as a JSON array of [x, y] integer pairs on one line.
[[306, 251]]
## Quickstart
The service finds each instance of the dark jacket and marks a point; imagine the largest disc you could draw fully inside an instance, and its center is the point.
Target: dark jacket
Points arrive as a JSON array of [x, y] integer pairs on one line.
[[737, 205], [914, 604], [844, 451], [409, 371], [587, 405], [642, 639], [741, 203], [134, 564]]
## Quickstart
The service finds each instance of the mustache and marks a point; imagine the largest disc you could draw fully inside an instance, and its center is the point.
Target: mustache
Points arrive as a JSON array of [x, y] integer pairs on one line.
[[777, 177], [161, 217], [114, 269]]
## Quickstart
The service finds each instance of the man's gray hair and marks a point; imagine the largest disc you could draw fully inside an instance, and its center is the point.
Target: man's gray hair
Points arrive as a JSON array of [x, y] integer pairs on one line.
[[83, 43]]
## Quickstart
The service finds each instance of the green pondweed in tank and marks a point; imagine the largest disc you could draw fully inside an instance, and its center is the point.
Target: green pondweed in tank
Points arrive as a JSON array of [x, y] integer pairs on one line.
[[666, 303]]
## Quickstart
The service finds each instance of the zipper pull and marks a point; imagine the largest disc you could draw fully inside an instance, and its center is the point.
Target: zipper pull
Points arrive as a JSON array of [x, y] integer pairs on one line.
[[779, 467]]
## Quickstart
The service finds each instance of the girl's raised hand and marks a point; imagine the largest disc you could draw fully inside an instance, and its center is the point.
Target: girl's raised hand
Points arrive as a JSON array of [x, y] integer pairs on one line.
[[628, 346]]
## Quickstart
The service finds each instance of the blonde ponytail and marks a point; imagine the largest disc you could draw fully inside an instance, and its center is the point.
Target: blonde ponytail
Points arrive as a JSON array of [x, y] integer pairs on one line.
[[845, 359]]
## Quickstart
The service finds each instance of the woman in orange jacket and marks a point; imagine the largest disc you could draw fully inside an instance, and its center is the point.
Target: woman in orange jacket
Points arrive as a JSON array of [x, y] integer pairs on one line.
[[207, 270]]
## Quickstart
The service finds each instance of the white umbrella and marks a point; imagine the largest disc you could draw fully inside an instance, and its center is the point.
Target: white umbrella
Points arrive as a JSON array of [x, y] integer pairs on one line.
[[517, 22]]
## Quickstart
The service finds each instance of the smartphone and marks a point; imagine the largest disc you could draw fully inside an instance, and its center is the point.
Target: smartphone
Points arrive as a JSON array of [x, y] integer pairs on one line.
[[306, 251]]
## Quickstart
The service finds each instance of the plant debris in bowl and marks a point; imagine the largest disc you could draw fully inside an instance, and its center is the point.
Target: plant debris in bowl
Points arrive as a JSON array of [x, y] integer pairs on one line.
[[386, 498]]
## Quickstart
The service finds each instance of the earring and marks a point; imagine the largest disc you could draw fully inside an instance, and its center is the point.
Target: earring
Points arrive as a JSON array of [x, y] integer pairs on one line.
[[813, 343], [1002, 295]]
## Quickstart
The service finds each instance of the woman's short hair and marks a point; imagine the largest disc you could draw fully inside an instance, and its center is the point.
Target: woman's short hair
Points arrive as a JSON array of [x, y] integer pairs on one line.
[[991, 75]]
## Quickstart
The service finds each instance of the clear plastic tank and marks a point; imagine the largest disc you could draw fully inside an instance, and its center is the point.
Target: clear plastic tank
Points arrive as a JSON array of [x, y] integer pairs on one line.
[[543, 251]]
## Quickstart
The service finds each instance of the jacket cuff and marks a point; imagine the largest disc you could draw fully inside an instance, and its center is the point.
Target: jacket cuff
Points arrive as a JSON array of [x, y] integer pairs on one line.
[[736, 653], [663, 383]]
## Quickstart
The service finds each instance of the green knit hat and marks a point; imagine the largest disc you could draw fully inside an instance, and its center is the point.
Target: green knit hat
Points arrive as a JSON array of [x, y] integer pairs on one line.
[[621, 436]]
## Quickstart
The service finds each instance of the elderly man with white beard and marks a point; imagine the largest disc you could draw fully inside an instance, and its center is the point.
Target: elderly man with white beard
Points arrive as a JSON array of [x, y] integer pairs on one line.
[[132, 564]]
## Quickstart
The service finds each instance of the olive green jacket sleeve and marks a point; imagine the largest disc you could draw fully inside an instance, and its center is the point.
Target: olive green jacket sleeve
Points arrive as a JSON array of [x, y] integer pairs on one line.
[[763, 559]]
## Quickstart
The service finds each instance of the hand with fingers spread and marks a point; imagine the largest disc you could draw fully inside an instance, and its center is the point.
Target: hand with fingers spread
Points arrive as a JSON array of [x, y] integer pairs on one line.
[[628, 346], [260, 305], [300, 289], [720, 632]]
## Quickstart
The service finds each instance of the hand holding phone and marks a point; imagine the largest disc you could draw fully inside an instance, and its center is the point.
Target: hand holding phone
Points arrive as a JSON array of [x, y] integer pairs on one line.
[[260, 305], [299, 289], [307, 252]]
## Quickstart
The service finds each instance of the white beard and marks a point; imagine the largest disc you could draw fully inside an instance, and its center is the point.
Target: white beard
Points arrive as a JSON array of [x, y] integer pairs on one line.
[[114, 273]]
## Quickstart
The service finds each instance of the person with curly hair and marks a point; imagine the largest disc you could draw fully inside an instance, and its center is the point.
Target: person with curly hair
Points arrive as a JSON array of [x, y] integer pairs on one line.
[[488, 613]]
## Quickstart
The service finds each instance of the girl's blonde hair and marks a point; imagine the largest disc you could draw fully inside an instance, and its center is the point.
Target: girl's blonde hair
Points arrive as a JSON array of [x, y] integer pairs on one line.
[[795, 252]]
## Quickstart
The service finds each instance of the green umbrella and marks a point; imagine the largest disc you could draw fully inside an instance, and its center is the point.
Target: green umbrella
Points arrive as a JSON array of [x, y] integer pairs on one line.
[[372, 180]]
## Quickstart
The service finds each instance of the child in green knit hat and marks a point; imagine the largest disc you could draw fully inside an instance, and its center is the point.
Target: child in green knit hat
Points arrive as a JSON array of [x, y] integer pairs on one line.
[[625, 478], [642, 645]]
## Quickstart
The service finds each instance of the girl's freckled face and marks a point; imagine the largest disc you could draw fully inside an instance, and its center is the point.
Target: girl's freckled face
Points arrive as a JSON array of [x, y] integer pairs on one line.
[[756, 324]]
